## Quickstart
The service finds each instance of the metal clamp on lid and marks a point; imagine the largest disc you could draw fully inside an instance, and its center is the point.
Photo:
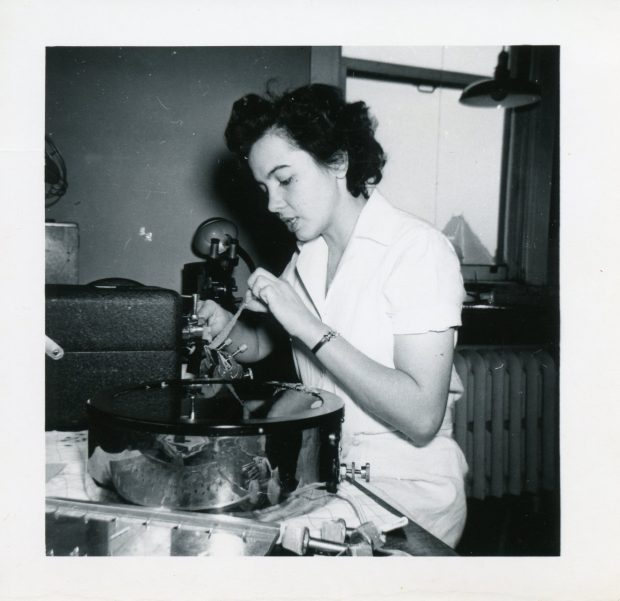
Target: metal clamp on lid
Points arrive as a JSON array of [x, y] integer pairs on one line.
[[352, 472], [326, 338]]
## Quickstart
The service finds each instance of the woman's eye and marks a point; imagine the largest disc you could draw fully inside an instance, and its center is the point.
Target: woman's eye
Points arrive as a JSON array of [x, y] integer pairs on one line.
[[287, 181]]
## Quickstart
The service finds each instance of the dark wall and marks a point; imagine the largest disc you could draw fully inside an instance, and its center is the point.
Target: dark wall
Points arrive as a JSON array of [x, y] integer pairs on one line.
[[141, 132]]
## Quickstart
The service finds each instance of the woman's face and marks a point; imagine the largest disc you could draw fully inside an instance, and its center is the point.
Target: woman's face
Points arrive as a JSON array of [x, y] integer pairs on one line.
[[301, 192]]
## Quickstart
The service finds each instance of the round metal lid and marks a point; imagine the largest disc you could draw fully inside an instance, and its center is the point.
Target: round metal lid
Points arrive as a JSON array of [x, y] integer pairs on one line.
[[213, 406]]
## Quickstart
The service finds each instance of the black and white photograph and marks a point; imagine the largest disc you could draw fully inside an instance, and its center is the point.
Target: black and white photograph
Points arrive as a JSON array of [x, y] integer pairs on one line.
[[313, 290], [304, 302]]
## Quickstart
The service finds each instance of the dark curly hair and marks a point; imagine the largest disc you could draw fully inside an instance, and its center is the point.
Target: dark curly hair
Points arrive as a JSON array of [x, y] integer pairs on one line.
[[317, 119]]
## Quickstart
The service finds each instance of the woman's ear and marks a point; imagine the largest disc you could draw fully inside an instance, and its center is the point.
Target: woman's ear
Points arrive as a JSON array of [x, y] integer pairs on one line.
[[340, 164]]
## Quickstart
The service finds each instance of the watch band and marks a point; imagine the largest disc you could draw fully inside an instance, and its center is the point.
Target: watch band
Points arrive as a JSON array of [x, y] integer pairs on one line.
[[324, 340]]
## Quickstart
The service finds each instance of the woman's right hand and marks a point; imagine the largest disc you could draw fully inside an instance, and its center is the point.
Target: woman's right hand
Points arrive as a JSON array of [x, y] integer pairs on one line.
[[213, 318], [276, 295]]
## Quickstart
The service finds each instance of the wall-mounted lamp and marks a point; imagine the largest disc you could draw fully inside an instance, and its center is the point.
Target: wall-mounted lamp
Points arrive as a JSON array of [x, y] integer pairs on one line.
[[502, 91]]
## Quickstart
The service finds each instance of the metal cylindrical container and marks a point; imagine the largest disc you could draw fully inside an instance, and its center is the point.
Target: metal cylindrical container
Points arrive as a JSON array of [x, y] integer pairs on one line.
[[227, 445]]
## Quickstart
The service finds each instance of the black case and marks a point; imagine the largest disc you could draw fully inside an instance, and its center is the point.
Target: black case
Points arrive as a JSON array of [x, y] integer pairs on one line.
[[111, 336]]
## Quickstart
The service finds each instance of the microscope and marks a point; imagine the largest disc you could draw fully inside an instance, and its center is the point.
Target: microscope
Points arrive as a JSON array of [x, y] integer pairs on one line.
[[216, 241]]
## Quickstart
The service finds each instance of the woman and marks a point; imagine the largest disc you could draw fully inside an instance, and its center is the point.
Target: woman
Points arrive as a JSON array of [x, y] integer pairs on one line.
[[370, 300]]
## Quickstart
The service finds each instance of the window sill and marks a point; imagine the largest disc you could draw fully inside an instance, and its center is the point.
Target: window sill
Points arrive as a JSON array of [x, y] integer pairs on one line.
[[510, 314], [503, 294], [484, 273]]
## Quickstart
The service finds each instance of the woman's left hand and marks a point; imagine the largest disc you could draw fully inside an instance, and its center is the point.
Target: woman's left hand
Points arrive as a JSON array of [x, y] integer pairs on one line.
[[270, 293]]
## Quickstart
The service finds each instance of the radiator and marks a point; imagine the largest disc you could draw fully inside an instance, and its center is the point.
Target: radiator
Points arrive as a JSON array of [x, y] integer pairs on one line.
[[506, 422]]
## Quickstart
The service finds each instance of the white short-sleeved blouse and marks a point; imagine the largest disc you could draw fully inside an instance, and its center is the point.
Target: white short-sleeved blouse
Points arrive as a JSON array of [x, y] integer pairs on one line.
[[398, 275]]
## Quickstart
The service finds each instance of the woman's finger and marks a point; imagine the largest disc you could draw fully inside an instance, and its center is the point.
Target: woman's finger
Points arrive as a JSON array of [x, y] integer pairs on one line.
[[264, 293], [253, 303], [260, 273], [258, 285], [204, 311]]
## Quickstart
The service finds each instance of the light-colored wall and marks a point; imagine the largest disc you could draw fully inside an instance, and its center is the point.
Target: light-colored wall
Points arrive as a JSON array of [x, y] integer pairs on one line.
[[141, 132]]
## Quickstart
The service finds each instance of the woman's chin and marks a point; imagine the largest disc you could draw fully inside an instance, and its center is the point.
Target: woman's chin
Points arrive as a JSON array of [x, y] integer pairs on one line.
[[305, 235], [305, 238]]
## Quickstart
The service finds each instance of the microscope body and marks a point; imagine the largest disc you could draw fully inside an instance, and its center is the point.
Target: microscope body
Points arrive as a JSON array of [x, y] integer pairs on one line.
[[213, 278]]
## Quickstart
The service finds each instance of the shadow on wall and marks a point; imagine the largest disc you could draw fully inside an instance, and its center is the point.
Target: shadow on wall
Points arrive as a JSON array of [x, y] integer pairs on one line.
[[236, 190]]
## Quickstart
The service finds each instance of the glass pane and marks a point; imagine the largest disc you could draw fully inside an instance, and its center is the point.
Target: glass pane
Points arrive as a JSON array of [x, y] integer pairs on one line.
[[444, 161], [465, 59]]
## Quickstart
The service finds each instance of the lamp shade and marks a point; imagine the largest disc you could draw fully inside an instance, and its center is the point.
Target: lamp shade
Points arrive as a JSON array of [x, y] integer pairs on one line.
[[502, 91]]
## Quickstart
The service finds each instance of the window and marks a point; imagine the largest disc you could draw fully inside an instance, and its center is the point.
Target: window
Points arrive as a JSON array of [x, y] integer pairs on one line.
[[444, 161], [486, 177]]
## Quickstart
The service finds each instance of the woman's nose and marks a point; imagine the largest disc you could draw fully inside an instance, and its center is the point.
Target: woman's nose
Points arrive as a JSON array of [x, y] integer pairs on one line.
[[276, 201]]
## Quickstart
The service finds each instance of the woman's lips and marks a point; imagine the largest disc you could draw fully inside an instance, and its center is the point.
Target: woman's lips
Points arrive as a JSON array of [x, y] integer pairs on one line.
[[291, 223]]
